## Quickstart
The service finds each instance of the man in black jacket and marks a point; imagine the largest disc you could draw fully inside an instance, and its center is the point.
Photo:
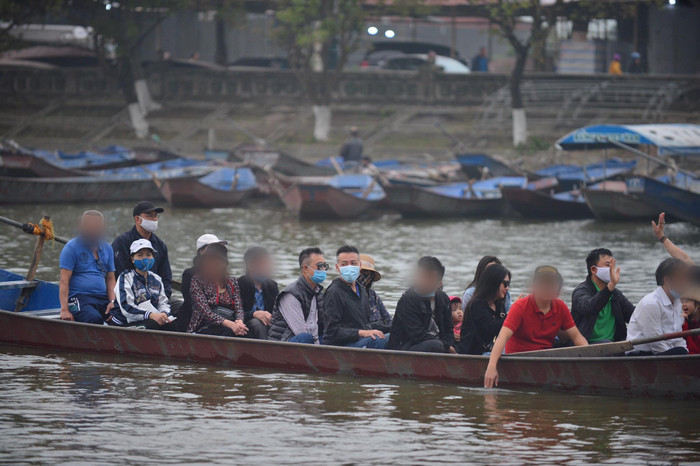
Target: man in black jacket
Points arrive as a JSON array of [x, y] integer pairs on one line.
[[346, 312], [145, 225], [258, 291], [423, 318], [599, 309]]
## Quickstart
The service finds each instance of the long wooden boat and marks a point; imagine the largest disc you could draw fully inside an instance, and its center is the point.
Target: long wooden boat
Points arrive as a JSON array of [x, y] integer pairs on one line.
[[281, 162], [669, 377], [38, 327], [127, 184], [573, 177], [612, 201], [17, 161], [225, 187], [680, 199], [482, 199], [532, 203], [341, 196]]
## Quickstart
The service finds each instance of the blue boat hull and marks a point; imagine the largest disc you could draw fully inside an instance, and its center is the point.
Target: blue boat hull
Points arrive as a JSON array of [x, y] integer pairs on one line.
[[43, 297], [676, 202]]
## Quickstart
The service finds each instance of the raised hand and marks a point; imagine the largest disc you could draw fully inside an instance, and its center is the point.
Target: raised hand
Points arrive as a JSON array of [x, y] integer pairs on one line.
[[614, 275], [658, 227]]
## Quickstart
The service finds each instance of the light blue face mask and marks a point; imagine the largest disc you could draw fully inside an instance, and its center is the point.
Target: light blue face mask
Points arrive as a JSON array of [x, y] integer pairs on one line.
[[319, 276], [349, 273], [427, 295]]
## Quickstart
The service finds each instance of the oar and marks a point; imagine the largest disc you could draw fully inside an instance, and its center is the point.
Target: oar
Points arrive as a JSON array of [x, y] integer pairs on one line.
[[602, 349], [336, 165], [27, 228]]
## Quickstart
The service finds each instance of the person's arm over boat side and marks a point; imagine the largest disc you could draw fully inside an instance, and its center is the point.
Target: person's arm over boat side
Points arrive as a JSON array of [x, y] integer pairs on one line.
[[63, 292], [499, 346], [673, 250]]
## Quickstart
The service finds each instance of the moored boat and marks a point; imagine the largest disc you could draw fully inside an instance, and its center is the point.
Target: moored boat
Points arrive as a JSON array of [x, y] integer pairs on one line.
[[476, 166], [118, 185], [679, 198], [225, 187], [612, 201], [573, 177], [480, 199], [281, 162], [341, 196], [539, 204]]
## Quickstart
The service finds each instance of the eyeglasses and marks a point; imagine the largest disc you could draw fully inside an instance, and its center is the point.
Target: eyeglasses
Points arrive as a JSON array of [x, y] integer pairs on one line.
[[320, 266], [506, 283]]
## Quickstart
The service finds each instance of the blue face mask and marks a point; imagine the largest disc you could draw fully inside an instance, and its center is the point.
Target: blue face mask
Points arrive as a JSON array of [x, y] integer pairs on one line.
[[319, 276], [674, 293], [349, 273], [144, 264], [427, 295]]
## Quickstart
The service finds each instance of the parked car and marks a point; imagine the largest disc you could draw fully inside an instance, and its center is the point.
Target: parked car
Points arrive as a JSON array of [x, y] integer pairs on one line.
[[415, 62], [277, 63], [379, 50]]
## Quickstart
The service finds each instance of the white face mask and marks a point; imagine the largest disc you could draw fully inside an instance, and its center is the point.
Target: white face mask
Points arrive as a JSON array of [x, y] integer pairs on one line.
[[149, 225], [603, 273]]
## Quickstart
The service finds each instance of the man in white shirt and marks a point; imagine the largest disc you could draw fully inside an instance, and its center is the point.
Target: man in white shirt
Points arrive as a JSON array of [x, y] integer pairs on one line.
[[659, 312]]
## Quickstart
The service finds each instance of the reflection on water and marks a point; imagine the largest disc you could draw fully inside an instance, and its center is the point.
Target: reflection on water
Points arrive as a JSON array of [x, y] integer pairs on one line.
[[94, 409], [71, 407]]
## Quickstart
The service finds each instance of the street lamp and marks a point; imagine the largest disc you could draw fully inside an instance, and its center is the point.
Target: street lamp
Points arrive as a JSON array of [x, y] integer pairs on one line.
[[389, 34], [372, 30]]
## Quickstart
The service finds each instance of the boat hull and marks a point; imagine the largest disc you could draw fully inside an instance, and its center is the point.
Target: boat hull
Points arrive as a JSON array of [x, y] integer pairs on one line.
[[536, 204], [190, 192], [321, 201], [27, 165], [75, 190], [618, 206], [475, 164], [415, 201], [669, 377], [676, 202]]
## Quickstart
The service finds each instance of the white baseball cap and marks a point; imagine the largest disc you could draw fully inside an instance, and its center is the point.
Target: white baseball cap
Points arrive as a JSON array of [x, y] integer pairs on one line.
[[206, 240], [139, 244]]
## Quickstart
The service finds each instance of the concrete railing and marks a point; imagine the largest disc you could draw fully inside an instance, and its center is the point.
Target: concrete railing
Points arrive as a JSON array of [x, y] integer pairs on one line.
[[354, 86]]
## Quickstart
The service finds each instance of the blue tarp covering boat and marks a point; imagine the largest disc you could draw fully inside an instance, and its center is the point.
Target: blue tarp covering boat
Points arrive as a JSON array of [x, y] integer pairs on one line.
[[357, 185], [44, 295], [573, 176]]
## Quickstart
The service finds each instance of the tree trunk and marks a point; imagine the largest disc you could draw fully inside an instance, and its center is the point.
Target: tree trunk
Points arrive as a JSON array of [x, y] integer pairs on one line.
[[143, 94], [322, 122], [519, 117], [128, 87]]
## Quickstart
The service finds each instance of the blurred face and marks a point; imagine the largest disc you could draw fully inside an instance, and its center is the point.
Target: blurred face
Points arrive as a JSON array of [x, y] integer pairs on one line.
[[678, 281], [546, 288], [504, 287], [426, 281], [690, 306], [92, 227], [213, 267], [261, 267], [457, 313]]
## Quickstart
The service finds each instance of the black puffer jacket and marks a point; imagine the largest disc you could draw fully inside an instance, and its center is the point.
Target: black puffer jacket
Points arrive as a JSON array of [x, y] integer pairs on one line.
[[587, 302], [412, 321]]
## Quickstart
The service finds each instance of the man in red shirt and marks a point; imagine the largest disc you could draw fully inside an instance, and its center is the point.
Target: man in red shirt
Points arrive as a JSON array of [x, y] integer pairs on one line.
[[533, 322]]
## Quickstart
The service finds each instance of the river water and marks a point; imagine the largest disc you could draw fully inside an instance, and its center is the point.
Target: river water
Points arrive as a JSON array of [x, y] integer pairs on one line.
[[93, 409]]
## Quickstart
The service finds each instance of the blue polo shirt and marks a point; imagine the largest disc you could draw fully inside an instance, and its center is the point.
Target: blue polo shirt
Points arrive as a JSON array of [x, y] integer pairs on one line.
[[88, 273]]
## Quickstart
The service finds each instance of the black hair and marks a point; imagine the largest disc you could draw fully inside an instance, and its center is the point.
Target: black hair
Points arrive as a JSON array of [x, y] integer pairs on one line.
[[306, 253], [347, 249], [594, 256], [433, 264], [255, 253], [483, 264], [488, 285], [668, 268]]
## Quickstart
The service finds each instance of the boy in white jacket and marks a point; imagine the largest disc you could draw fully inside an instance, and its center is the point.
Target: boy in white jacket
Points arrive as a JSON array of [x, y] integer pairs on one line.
[[140, 294]]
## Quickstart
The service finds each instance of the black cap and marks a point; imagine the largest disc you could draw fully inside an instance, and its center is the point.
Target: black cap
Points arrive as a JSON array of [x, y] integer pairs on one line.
[[146, 206]]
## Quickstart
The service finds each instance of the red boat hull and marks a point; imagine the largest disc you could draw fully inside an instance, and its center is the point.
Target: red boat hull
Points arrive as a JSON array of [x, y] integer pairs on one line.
[[189, 192], [310, 200], [670, 376]]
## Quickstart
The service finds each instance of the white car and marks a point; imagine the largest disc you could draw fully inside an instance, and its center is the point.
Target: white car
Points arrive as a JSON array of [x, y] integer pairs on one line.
[[414, 62]]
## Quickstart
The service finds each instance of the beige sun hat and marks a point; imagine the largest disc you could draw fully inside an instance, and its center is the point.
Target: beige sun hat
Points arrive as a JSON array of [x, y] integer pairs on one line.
[[367, 263]]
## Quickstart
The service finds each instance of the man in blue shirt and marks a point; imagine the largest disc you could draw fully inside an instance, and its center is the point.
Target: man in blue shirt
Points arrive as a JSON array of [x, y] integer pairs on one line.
[[481, 61], [86, 286]]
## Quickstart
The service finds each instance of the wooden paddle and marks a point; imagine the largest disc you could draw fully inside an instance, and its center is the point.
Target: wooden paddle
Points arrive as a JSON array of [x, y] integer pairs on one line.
[[602, 349]]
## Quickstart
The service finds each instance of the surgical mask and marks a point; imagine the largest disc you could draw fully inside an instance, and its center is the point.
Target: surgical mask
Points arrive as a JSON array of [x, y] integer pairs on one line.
[[674, 293], [603, 273], [149, 225], [145, 264], [427, 295], [319, 276], [349, 273]]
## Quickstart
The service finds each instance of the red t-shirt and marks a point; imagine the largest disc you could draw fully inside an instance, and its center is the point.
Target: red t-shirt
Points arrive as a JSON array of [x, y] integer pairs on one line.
[[533, 330], [693, 341]]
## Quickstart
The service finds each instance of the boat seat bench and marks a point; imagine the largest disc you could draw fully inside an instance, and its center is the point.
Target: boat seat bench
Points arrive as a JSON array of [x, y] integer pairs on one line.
[[17, 284]]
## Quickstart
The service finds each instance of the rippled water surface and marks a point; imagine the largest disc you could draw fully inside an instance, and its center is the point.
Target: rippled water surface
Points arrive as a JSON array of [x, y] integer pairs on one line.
[[92, 409]]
